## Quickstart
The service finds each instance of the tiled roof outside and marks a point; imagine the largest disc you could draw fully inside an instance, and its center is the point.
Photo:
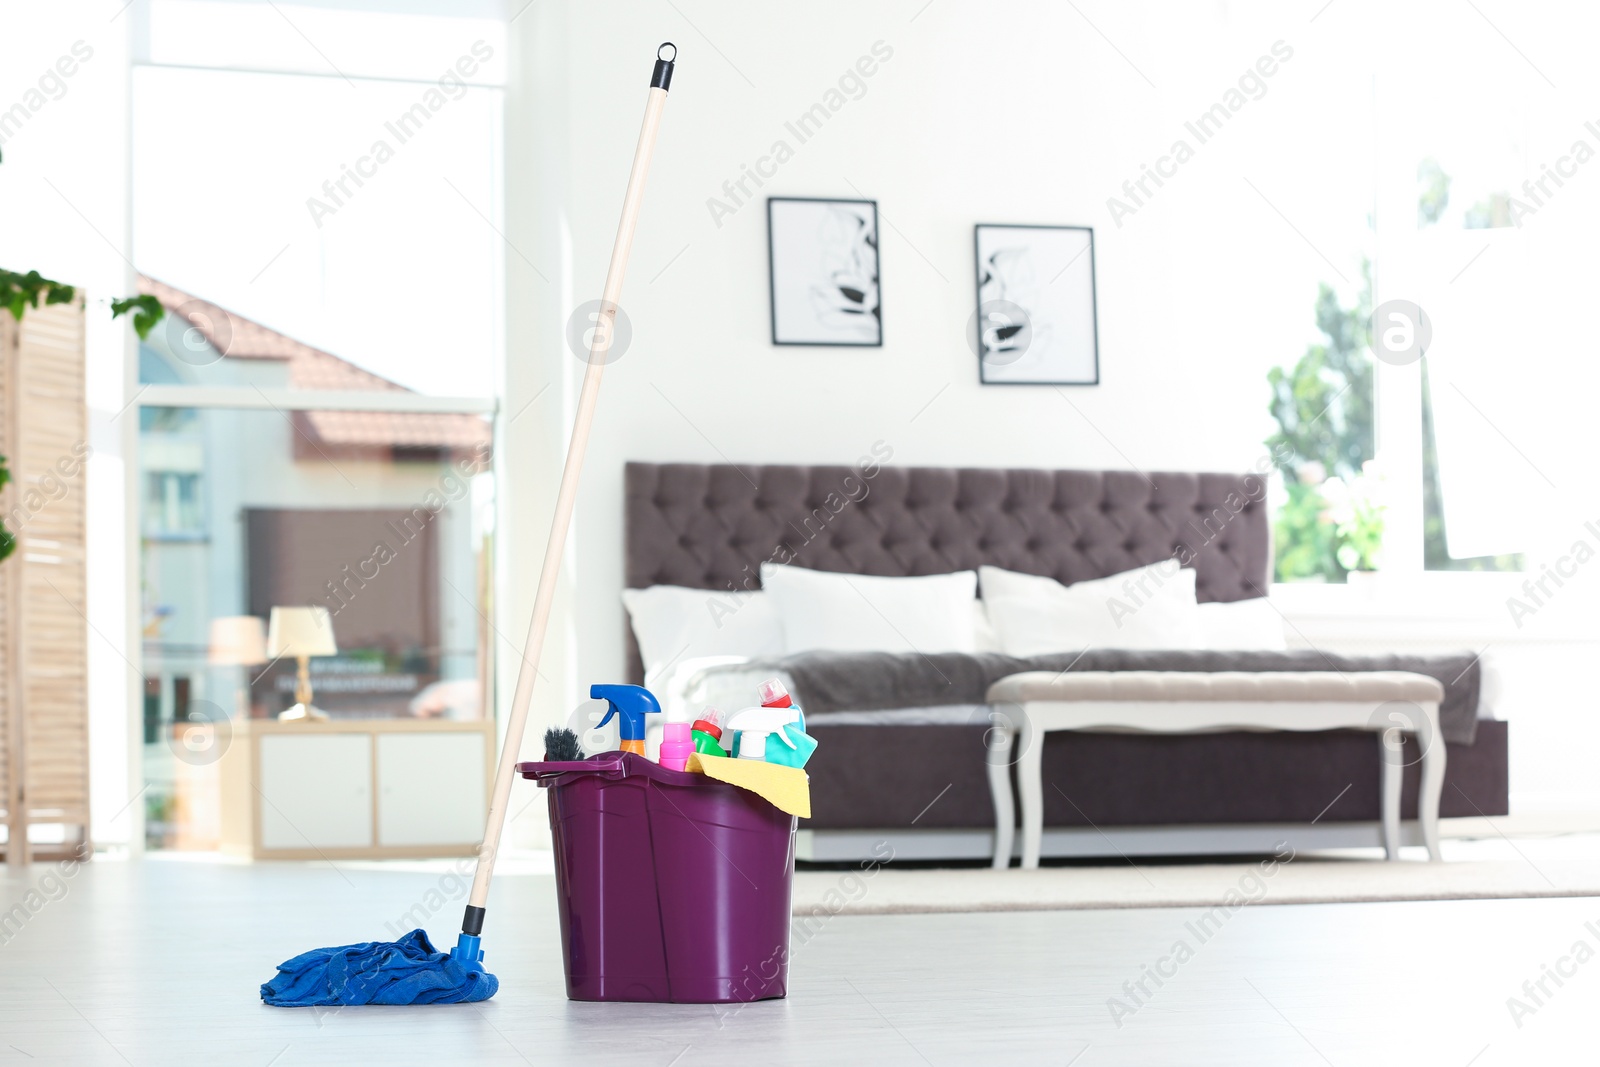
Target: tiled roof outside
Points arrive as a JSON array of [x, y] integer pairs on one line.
[[237, 337]]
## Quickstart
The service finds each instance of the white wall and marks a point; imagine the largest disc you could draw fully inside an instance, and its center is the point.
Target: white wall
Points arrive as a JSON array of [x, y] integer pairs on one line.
[[995, 112]]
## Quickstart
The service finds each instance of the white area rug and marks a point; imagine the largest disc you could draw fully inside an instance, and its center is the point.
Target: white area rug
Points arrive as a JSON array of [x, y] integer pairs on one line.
[[1471, 870], [1564, 865]]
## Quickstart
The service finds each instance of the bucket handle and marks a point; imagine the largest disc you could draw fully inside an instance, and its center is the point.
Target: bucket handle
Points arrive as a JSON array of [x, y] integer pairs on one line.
[[548, 770]]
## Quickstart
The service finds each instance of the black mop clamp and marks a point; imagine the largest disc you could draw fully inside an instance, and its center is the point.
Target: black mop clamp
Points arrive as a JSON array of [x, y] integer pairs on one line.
[[662, 78]]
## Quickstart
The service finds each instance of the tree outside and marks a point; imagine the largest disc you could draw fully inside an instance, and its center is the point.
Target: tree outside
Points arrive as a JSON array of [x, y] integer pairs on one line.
[[1331, 522]]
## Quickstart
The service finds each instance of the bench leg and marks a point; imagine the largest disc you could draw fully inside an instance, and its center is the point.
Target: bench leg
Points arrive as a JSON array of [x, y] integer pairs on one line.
[[1390, 768], [1433, 760], [1031, 789], [999, 742]]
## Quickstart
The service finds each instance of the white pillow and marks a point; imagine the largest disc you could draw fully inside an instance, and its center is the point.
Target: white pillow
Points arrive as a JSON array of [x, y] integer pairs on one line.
[[1243, 625], [984, 637], [1150, 607], [672, 622], [862, 613]]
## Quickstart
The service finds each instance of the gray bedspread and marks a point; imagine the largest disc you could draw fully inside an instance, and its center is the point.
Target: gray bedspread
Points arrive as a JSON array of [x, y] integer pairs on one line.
[[870, 681]]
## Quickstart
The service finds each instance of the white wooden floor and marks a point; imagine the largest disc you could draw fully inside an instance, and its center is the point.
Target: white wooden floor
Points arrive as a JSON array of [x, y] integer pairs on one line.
[[159, 963]]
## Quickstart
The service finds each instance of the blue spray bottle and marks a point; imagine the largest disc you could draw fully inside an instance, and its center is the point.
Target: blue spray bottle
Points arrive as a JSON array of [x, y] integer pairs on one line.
[[632, 703]]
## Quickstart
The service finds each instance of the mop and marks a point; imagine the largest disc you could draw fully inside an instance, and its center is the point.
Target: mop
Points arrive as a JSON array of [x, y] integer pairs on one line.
[[411, 970]]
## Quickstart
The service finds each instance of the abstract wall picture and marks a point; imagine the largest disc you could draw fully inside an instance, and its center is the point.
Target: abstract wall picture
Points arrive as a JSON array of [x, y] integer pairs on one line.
[[1035, 323], [823, 256]]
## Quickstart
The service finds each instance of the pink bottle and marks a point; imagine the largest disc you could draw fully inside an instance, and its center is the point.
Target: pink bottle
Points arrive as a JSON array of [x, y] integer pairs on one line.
[[676, 746]]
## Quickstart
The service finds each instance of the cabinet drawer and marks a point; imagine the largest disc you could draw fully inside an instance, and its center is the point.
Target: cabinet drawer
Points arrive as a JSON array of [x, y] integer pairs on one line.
[[431, 788], [316, 791]]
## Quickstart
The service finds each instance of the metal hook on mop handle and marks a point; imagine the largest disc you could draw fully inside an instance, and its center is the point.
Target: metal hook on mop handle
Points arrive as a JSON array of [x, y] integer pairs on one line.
[[468, 948]]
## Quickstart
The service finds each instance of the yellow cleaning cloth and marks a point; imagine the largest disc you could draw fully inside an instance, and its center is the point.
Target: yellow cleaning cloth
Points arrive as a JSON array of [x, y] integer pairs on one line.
[[787, 788]]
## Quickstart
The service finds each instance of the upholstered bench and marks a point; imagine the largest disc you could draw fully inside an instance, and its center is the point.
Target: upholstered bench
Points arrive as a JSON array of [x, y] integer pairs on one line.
[[1388, 703]]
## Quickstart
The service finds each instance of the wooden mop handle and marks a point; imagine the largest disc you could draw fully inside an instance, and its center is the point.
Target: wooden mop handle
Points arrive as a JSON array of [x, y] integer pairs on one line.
[[599, 348]]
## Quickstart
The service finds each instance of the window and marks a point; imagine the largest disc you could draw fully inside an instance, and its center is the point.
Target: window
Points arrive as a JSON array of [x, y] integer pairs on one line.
[[1435, 532], [316, 411], [1485, 200], [1469, 162], [229, 225], [385, 520], [1458, 456], [1327, 523], [172, 504]]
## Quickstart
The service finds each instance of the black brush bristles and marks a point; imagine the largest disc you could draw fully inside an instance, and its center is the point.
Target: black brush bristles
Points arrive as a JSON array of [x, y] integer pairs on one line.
[[561, 745]]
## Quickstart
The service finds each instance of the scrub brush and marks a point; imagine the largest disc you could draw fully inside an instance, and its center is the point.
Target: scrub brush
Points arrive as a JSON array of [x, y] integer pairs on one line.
[[561, 745]]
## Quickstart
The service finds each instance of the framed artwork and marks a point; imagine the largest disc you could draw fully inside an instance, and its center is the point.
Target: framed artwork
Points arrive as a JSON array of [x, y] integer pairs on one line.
[[1035, 323], [823, 259]]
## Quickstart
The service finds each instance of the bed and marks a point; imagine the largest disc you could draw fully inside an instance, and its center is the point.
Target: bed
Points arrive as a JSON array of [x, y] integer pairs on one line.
[[711, 527]]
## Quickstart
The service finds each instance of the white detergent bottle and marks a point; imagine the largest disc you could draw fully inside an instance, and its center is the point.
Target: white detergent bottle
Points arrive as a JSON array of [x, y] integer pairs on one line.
[[754, 725]]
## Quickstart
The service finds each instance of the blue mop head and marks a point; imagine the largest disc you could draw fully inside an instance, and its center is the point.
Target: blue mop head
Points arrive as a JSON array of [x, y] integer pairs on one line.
[[407, 971]]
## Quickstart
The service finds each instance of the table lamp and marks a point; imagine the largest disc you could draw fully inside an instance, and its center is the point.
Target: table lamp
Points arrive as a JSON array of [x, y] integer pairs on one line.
[[301, 632], [237, 641]]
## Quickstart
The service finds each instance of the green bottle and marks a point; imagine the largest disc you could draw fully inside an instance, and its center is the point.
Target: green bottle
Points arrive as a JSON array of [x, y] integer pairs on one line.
[[707, 733]]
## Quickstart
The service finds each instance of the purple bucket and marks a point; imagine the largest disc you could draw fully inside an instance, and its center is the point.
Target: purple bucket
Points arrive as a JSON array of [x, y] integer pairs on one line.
[[673, 887]]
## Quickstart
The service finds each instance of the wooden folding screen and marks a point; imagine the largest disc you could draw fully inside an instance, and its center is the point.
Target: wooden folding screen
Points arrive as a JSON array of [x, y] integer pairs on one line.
[[44, 744]]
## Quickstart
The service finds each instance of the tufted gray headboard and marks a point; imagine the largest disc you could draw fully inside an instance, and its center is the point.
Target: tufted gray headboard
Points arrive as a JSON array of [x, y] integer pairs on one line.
[[711, 526]]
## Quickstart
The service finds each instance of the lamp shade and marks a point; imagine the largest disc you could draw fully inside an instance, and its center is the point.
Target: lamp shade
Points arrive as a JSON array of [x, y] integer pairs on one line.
[[301, 631], [237, 641]]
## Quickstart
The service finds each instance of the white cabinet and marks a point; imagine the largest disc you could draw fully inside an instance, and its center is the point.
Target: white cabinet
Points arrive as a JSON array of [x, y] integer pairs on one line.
[[316, 791], [371, 788], [432, 788]]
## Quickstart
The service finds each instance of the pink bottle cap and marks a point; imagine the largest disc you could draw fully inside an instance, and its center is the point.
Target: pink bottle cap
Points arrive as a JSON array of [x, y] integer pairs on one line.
[[773, 694], [676, 746]]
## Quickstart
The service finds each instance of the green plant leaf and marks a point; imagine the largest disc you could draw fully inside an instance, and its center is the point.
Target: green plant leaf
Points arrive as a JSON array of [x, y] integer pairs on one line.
[[8, 543], [147, 311], [19, 292]]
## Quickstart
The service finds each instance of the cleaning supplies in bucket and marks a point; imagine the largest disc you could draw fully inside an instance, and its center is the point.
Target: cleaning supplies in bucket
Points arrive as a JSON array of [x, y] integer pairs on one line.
[[561, 745], [774, 694], [674, 877], [630, 704], [754, 726], [706, 731], [775, 732], [773, 735], [676, 746], [769, 743], [672, 887], [786, 788]]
